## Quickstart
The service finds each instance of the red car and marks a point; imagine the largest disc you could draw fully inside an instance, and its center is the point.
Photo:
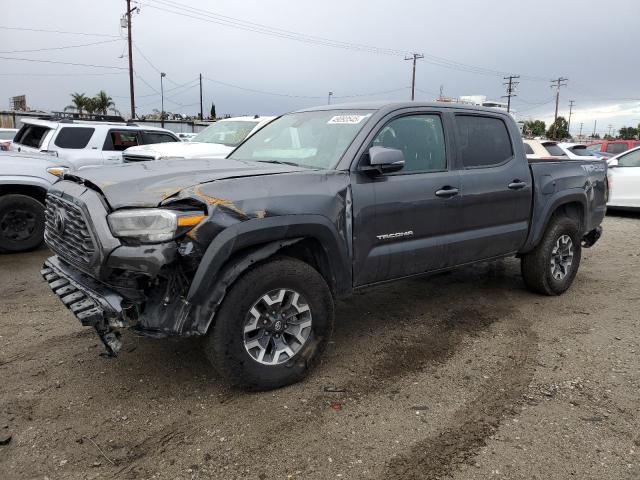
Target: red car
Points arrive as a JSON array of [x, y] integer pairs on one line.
[[613, 147]]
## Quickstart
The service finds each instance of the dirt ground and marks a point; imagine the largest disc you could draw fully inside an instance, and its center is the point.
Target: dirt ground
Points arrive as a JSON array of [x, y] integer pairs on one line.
[[465, 375]]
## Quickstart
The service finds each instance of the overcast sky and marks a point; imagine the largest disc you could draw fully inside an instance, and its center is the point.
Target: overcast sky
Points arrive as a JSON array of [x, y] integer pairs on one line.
[[595, 44]]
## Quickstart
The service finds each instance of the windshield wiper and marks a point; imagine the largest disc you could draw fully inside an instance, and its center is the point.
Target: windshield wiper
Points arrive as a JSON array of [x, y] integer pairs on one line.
[[280, 162]]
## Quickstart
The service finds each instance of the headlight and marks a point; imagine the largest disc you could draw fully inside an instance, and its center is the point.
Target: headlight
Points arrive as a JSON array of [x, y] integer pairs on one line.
[[57, 171], [152, 225]]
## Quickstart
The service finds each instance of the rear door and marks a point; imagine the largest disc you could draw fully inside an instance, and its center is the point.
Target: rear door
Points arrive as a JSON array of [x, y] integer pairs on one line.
[[401, 219], [492, 216], [74, 143], [625, 181]]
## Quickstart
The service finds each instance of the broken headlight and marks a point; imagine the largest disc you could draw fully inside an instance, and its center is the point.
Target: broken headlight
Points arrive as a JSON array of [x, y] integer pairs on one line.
[[152, 225]]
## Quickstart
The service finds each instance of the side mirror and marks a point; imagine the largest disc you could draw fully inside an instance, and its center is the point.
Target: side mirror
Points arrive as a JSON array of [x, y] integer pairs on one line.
[[384, 160], [613, 163]]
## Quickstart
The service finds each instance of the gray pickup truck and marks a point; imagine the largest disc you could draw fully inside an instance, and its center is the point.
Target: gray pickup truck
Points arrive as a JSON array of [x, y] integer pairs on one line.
[[251, 251], [24, 181]]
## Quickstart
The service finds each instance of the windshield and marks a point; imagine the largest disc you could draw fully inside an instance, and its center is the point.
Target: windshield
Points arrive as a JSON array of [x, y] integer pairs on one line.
[[229, 133], [307, 139]]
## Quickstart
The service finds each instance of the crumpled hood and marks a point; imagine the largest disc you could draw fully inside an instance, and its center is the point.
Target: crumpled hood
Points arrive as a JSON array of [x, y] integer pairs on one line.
[[147, 184], [181, 150]]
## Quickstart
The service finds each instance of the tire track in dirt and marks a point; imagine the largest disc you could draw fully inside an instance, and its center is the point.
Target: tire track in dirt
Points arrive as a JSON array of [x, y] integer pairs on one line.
[[438, 456]]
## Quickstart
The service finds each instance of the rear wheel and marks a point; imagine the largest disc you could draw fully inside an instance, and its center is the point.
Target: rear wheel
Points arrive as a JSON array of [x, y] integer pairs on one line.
[[21, 223], [552, 266], [272, 325]]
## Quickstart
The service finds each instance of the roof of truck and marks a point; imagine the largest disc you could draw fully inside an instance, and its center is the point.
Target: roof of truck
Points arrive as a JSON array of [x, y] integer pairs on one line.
[[391, 105]]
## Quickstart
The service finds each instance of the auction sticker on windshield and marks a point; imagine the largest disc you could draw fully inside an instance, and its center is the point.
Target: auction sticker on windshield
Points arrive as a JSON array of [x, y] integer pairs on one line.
[[347, 119]]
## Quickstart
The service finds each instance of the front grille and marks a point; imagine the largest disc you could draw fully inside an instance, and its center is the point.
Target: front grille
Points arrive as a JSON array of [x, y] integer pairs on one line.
[[67, 232], [130, 158]]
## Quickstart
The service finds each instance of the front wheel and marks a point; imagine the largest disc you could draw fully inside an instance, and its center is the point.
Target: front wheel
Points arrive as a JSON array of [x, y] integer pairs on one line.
[[552, 266], [21, 223], [272, 326]]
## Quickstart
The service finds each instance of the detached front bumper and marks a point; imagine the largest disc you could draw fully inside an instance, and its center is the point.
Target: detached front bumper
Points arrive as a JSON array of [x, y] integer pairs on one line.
[[92, 303]]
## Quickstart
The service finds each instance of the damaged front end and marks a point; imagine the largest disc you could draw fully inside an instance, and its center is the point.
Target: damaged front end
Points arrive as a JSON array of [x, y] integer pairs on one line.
[[113, 282]]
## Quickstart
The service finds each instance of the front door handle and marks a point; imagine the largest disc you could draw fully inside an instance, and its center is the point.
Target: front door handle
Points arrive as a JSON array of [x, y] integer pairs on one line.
[[447, 192], [517, 185]]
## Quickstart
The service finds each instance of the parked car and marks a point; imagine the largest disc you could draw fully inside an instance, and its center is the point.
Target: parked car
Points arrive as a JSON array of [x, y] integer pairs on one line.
[[215, 141], [83, 143], [24, 181], [186, 137], [252, 250], [543, 150], [6, 137], [613, 147], [578, 151], [624, 180]]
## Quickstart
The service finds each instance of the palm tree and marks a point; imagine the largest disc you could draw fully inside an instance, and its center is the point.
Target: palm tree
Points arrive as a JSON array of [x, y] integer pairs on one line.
[[103, 102], [78, 102], [91, 105]]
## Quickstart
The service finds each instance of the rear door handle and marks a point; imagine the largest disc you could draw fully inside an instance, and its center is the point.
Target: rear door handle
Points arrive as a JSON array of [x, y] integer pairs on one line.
[[517, 185], [447, 192]]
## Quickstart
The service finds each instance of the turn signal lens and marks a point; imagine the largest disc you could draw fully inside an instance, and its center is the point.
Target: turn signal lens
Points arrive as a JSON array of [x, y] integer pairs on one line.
[[57, 171], [190, 221]]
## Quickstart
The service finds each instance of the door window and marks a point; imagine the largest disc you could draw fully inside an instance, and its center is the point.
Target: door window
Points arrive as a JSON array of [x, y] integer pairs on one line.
[[157, 137], [630, 160], [120, 140], [421, 139], [74, 137], [484, 141]]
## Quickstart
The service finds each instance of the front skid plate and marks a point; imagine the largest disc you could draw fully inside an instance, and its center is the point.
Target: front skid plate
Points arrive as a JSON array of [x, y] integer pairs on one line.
[[85, 306]]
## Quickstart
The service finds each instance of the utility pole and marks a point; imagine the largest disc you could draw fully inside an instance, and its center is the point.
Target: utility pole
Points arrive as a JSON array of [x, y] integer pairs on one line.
[[162, 75], [329, 98], [595, 122], [414, 57], [557, 83], [610, 127], [131, 90], [201, 116], [571, 102], [580, 134], [511, 87]]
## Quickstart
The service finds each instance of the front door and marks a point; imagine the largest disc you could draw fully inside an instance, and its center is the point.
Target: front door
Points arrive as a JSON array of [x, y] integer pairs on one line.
[[625, 181], [400, 218]]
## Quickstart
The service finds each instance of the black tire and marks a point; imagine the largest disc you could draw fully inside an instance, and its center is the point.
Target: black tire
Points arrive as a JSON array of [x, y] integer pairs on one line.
[[21, 223], [225, 345], [536, 265]]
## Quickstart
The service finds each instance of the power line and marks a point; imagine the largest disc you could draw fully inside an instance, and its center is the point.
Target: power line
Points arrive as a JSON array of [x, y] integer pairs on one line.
[[60, 48], [181, 9], [30, 74], [3, 27], [62, 63]]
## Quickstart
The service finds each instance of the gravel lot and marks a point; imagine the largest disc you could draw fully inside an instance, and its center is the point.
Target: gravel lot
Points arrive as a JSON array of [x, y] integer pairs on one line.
[[465, 375]]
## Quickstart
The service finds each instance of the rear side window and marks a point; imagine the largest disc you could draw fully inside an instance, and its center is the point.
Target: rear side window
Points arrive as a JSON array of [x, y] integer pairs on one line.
[[596, 147], [616, 148], [484, 141], [31, 135], [554, 149], [74, 137], [157, 137], [528, 150], [421, 139], [120, 140]]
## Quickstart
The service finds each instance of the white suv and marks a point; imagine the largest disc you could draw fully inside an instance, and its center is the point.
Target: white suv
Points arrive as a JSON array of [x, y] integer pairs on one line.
[[83, 143], [215, 141]]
